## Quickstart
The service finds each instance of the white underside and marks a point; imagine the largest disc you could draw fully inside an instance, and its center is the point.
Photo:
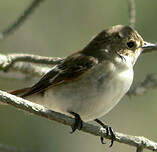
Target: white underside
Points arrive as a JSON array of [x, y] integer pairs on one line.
[[91, 97]]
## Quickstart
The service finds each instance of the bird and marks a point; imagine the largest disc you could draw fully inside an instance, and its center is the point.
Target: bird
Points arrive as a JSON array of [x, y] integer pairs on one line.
[[89, 83]]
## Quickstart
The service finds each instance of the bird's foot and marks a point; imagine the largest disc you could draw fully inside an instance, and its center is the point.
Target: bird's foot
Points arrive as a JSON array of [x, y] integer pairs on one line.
[[109, 131], [78, 122]]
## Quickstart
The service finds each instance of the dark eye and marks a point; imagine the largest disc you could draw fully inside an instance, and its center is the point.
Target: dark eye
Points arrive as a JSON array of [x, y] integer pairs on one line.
[[130, 44]]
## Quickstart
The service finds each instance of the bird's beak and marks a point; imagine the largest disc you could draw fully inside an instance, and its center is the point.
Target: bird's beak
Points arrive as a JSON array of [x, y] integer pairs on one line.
[[148, 46]]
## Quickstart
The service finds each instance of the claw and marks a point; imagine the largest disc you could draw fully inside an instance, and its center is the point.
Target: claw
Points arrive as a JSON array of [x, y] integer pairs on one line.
[[102, 140], [108, 131], [113, 137], [78, 122]]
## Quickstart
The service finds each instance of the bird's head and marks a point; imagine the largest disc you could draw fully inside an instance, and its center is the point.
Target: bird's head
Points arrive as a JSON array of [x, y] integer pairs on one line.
[[117, 42]]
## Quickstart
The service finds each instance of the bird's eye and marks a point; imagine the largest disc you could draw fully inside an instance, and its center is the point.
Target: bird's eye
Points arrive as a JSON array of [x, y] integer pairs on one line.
[[130, 44]]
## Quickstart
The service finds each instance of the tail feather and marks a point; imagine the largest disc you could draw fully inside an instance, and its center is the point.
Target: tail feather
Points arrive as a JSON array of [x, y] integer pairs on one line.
[[19, 92]]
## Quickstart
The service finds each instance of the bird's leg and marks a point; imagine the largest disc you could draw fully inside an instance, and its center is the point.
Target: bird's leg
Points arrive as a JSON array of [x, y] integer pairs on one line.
[[108, 131], [78, 122]]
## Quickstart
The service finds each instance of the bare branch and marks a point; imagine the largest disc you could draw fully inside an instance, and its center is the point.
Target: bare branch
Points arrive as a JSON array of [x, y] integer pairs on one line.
[[132, 13], [20, 20], [12, 58], [12, 63], [26, 68], [66, 120]]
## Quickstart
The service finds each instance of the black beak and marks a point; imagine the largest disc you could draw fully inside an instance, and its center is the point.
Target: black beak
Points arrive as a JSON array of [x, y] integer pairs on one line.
[[148, 45]]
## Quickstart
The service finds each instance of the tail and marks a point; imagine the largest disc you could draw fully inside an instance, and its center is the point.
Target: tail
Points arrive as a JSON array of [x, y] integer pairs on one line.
[[19, 92]]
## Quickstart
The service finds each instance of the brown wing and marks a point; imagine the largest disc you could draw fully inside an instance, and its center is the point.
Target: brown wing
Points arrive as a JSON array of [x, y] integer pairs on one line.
[[69, 70]]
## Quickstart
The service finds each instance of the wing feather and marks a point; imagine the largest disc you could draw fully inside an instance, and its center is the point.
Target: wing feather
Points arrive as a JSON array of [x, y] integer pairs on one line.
[[70, 69]]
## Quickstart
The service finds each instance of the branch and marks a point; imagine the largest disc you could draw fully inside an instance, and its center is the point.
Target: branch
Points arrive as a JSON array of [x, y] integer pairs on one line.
[[19, 69], [10, 59], [132, 13], [22, 68], [66, 120], [9, 30]]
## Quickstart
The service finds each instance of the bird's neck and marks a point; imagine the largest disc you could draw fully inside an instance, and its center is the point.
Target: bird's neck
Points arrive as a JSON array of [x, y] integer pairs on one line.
[[124, 62]]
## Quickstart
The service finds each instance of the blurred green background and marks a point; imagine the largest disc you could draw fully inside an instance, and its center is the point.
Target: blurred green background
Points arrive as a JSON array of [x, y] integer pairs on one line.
[[57, 28]]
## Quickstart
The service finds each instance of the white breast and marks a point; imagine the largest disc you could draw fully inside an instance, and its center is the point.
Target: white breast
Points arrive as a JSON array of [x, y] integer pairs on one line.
[[115, 87], [91, 96]]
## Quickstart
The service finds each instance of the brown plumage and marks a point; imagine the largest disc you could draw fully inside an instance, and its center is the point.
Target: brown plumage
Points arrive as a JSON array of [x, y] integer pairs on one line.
[[70, 69]]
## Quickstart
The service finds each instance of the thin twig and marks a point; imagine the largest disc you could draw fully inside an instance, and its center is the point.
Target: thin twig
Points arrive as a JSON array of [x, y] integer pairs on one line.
[[22, 67], [12, 58], [66, 120], [132, 13], [9, 30]]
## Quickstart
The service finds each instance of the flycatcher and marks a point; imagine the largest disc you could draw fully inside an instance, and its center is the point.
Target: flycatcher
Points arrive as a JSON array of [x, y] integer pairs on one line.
[[89, 83]]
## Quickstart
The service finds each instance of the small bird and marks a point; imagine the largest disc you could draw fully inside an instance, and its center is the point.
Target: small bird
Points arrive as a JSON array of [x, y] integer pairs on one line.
[[89, 83]]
